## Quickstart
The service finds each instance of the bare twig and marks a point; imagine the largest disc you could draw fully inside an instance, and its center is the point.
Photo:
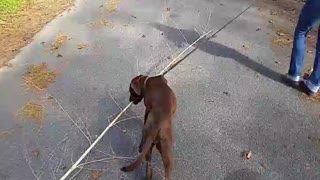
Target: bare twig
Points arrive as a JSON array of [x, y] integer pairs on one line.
[[177, 26], [69, 117], [208, 21], [129, 118], [105, 159], [28, 162], [113, 99]]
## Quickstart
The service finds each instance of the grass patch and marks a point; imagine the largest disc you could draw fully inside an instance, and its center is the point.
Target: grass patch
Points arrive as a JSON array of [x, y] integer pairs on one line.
[[10, 6], [20, 20], [32, 111], [39, 76]]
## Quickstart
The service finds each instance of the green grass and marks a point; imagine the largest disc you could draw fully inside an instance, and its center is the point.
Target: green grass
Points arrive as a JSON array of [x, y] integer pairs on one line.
[[10, 6]]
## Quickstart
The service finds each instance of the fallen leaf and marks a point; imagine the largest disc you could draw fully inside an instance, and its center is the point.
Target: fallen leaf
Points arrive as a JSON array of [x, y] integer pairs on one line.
[[310, 36], [4, 134], [82, 45], [61, 39], [263, 165], [246, 46], [280, 33], [246, 154], [35, 153], [273, 12], [283, 41], [8, 64], [95, 174]]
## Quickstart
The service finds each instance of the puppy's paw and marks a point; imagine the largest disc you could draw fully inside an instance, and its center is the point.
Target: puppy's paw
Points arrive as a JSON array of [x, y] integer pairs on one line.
[[124, 169]]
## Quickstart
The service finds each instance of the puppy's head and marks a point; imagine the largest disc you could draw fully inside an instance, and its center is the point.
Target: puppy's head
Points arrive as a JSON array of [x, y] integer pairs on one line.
[[135, 89]]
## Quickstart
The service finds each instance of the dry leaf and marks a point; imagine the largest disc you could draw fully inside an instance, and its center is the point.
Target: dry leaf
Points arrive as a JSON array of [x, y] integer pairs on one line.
[[280, 33], [82, 45], [273, 12], [263, 165], [246, 154], [246, 46], [4, 134], [283, 41], [95, 174], [101, 22], [8, 64], [112, 5], [61, 39], [35, 153]]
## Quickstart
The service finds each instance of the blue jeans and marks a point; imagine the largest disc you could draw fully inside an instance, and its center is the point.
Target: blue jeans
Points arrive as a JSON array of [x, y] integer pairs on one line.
[[309, 18]]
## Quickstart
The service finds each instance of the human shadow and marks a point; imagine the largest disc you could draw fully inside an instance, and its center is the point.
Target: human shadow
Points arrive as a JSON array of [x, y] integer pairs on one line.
[[180, 37]]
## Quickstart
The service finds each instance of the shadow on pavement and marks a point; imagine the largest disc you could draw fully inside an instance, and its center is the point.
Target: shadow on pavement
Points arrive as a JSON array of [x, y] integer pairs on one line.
[[181, 37]]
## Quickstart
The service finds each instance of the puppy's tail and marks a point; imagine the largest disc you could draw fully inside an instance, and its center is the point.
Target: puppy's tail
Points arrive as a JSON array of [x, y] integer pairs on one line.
[[145, 148]]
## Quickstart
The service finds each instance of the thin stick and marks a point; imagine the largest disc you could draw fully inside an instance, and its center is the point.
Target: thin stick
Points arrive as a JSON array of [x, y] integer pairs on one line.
[[167, 68], [69, 117], [74, 166]]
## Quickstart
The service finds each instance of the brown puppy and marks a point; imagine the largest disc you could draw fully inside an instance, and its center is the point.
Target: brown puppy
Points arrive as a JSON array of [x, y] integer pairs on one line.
[[160, 103]]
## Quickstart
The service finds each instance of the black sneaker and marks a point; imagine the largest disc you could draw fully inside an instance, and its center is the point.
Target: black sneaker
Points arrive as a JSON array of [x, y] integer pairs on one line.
[[304, 88], [289, 82]]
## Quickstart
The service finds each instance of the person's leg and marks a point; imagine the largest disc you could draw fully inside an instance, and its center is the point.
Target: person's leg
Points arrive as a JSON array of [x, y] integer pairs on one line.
[[299, 44], [313, 83]]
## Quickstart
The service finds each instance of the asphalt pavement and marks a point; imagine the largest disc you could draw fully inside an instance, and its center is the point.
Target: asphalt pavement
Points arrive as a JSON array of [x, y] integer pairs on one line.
[[230, 95]]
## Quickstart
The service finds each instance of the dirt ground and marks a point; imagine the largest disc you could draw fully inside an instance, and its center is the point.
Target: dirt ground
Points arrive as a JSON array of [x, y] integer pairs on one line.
[[17, 28], [282, 16]]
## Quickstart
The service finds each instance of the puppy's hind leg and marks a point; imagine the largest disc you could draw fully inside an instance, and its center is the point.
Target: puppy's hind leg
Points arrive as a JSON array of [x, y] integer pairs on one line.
[[167, 158], [149, 165]]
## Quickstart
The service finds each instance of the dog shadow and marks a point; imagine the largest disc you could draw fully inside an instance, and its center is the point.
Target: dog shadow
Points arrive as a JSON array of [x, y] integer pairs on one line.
[[216, 49], [121, 140]]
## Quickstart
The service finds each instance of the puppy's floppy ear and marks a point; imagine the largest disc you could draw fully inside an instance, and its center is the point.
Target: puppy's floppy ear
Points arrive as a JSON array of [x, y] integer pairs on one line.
[[136, 84]]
